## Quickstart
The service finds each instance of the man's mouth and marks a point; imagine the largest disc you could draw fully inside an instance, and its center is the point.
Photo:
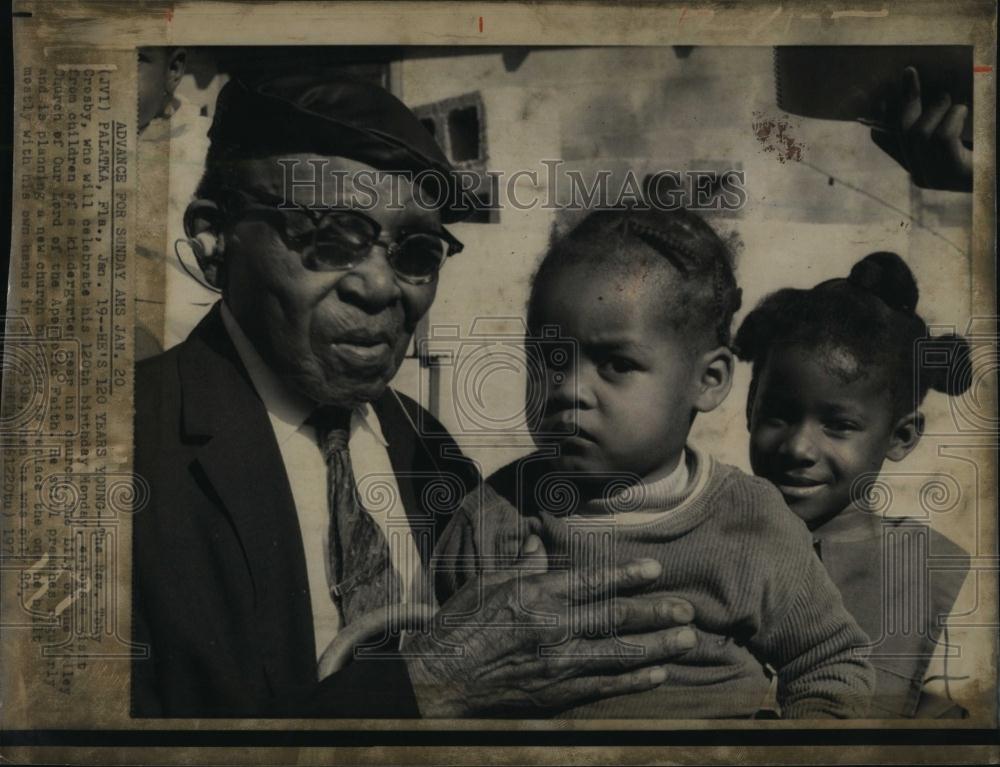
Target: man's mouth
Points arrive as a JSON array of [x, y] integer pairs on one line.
[[364, 348]]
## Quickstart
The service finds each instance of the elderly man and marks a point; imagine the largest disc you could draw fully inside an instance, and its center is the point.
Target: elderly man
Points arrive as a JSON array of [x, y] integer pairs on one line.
[[256, 435]]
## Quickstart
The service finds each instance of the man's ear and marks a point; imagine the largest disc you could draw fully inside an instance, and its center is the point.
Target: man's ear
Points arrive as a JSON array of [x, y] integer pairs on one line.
[[715, 378], [176, 65], [905, 435], [203, 225]]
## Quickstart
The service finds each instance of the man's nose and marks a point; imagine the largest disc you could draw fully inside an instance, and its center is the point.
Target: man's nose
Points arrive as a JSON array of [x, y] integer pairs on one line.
[[371, 284], [800, 444]]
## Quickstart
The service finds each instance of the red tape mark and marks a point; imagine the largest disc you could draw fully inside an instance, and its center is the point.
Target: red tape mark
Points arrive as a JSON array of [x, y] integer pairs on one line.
[[480, 24], [983, 68]]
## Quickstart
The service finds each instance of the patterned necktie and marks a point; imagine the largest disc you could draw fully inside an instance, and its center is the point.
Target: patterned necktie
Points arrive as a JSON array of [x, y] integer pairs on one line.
[[360, 575]]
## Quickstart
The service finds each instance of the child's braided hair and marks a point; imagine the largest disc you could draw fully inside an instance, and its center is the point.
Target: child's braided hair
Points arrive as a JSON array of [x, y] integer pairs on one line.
[[706, 295]]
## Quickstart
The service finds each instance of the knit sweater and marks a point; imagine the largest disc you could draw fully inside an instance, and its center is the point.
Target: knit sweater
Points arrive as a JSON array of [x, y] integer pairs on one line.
[[727, 544]]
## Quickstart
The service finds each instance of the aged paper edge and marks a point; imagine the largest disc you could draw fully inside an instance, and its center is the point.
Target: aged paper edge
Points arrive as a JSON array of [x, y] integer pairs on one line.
[[114, 26]]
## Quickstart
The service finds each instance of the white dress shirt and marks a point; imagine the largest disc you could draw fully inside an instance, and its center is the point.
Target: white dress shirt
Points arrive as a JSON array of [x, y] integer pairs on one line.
[[306, 469]]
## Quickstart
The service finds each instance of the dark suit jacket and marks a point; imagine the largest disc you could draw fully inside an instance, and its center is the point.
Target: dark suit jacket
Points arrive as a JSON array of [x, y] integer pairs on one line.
[[220, 593]]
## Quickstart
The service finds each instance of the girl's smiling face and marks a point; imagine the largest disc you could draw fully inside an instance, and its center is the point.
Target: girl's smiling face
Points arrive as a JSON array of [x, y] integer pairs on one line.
[[818, 424]]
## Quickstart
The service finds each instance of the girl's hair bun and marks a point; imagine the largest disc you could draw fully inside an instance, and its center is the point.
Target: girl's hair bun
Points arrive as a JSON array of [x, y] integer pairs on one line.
[[946, 364], [887, 276], [759, 326], [745, 344]]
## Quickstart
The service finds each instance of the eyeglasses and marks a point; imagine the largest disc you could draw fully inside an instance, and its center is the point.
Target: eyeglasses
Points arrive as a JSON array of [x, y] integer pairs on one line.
[[332, 240]]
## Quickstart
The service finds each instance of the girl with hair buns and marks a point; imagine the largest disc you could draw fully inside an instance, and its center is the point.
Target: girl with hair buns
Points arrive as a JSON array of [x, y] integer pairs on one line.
[[835, 391]]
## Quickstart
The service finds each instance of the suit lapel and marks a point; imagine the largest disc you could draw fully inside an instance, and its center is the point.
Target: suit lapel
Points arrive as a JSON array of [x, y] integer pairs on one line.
[[417, 461], [241, 460], [407, 462]]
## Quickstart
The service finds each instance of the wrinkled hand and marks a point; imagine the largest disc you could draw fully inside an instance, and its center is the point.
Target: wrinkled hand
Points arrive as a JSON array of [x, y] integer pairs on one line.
[[928, 142], [497, 625]]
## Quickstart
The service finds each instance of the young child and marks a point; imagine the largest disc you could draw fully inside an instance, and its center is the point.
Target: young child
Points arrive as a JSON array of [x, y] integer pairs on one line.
[[642, 302], [835, 392]]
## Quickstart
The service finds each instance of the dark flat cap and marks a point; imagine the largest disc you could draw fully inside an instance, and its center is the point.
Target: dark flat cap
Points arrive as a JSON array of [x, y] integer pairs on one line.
[[329, 115]]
